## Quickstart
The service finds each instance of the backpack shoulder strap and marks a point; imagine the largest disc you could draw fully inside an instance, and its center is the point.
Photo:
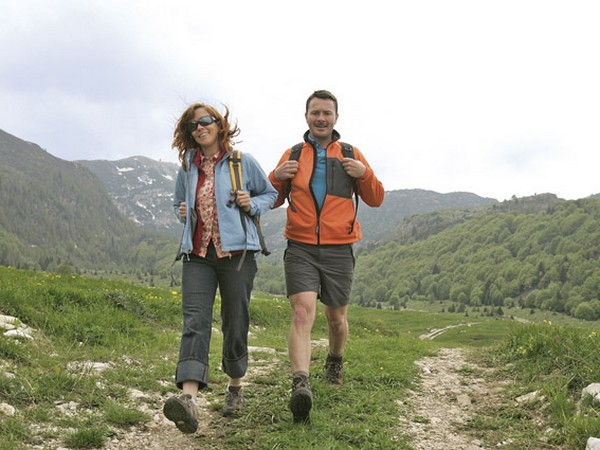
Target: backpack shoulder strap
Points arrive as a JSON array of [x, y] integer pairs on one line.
[[294, 156], [235, 170], [348, 152], [296, 150]]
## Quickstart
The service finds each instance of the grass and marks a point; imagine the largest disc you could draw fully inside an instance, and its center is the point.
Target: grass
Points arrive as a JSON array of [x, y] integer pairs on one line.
[[61, 401], [558, 361]]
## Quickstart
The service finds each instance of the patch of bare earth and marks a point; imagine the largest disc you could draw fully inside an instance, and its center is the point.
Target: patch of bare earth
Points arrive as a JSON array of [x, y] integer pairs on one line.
[[451, 392], [160, 433]]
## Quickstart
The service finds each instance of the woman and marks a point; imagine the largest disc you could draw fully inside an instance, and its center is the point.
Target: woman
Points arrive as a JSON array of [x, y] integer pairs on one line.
[[218, 249]]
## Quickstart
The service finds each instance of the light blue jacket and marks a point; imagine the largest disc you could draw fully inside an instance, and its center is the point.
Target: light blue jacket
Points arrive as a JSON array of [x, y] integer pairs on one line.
[[233, 237]]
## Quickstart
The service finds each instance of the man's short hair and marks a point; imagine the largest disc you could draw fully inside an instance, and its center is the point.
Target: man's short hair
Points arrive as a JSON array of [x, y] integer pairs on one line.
[[326, 95]]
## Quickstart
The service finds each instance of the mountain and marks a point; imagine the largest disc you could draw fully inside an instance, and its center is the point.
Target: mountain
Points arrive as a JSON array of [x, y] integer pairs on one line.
[[81, 211], [55, 212], [141, 188], [537, 252], [379, 223], [423, 226]]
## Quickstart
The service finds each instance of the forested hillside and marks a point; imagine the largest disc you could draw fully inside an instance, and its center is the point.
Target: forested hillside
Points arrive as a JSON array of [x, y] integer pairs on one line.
[[503, 258], [378, 225], [55, 214], [535, 252]]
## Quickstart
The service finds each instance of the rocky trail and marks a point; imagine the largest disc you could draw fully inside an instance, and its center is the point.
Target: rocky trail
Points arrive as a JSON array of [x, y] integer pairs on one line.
[[160, 433], [451, 391]]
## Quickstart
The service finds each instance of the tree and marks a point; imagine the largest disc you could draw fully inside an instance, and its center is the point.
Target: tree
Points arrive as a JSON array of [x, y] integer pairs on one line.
[[495, 295], [395, 300], [584, 311], [65, 269], [476, 297], [381, 294]]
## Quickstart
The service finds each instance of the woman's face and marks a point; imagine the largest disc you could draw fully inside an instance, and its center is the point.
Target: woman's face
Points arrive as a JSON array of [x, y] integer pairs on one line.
[[205, 134]]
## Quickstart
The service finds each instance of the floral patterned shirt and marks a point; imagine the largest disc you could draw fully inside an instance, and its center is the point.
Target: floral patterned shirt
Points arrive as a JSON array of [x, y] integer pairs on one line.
[[206, 207]]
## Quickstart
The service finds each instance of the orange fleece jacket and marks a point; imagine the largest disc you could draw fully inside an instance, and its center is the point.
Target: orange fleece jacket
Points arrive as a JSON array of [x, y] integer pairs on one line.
[[333, 225]]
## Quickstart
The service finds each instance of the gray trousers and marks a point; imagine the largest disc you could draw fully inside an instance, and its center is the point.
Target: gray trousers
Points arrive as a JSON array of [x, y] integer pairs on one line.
[[200, 279]]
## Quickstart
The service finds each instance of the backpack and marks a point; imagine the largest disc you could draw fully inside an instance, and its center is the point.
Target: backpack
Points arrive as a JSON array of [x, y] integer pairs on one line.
[[348, 152], [235, 170]]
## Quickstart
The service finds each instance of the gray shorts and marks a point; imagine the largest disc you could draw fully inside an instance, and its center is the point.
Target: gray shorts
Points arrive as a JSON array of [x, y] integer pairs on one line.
[[325, 269]]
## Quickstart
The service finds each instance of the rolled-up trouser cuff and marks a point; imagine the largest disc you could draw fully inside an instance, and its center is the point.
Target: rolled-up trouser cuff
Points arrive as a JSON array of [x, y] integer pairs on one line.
[[191, 370], [235, 368]]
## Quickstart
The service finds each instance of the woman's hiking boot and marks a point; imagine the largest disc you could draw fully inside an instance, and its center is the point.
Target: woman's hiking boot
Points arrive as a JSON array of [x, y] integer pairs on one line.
[[234, 400], [334, 370], [301, 398], [182, 411]]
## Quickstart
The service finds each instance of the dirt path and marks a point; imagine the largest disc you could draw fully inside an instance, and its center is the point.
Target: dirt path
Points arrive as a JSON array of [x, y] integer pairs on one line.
[[160, 433], [435, 332], [451, 391]]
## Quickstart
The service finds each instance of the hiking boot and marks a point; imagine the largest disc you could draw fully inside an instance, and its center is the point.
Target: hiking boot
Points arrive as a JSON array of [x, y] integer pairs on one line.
[[301, 398], [234, 400], [182, 411], [334, 370]]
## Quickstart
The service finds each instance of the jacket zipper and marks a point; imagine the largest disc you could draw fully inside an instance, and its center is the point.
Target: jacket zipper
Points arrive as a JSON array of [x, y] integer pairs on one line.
[[318, 226], [186, 255], [333, 177]]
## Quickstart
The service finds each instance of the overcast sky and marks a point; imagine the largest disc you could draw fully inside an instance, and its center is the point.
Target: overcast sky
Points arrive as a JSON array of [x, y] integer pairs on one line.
[[498, 98]]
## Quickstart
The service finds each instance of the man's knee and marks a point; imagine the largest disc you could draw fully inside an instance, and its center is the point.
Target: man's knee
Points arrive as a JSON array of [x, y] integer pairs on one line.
[[303, 308], [303, 312], [337, 323], [301, 315]]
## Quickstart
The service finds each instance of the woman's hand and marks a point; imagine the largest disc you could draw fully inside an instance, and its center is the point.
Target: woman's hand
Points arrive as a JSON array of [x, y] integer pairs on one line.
[[242, 199], [182, 211]]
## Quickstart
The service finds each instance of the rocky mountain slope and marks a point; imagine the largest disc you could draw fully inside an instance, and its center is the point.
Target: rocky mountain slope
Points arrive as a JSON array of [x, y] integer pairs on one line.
[[141, 188]]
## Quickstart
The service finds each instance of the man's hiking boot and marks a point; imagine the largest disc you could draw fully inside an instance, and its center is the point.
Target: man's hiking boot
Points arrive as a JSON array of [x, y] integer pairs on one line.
[[301, 398], [334, 370], [182, 411], [234, 400]]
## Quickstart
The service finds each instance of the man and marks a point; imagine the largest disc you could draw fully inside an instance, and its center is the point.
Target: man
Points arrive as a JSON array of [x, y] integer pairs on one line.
[[321, 227]]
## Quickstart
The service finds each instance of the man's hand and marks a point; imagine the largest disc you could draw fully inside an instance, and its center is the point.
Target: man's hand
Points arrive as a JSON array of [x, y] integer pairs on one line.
[[286, 171], [354, 167]]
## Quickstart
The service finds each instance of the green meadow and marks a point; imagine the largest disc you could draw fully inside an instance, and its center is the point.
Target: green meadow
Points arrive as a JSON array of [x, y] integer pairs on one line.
[[135, 331]]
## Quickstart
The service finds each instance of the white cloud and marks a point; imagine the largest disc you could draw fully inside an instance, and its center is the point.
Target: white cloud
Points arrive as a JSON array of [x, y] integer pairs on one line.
[[495, 98]]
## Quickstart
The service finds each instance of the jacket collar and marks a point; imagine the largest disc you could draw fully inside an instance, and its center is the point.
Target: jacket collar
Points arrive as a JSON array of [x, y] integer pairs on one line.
[[193, 154], [335, 136]]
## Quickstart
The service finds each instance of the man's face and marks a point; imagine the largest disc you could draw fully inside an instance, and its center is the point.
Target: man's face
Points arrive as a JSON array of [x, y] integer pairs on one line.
[[321, 118]]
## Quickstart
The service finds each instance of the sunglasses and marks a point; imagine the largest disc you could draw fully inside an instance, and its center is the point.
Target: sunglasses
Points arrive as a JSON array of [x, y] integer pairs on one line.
[[202, 121]]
